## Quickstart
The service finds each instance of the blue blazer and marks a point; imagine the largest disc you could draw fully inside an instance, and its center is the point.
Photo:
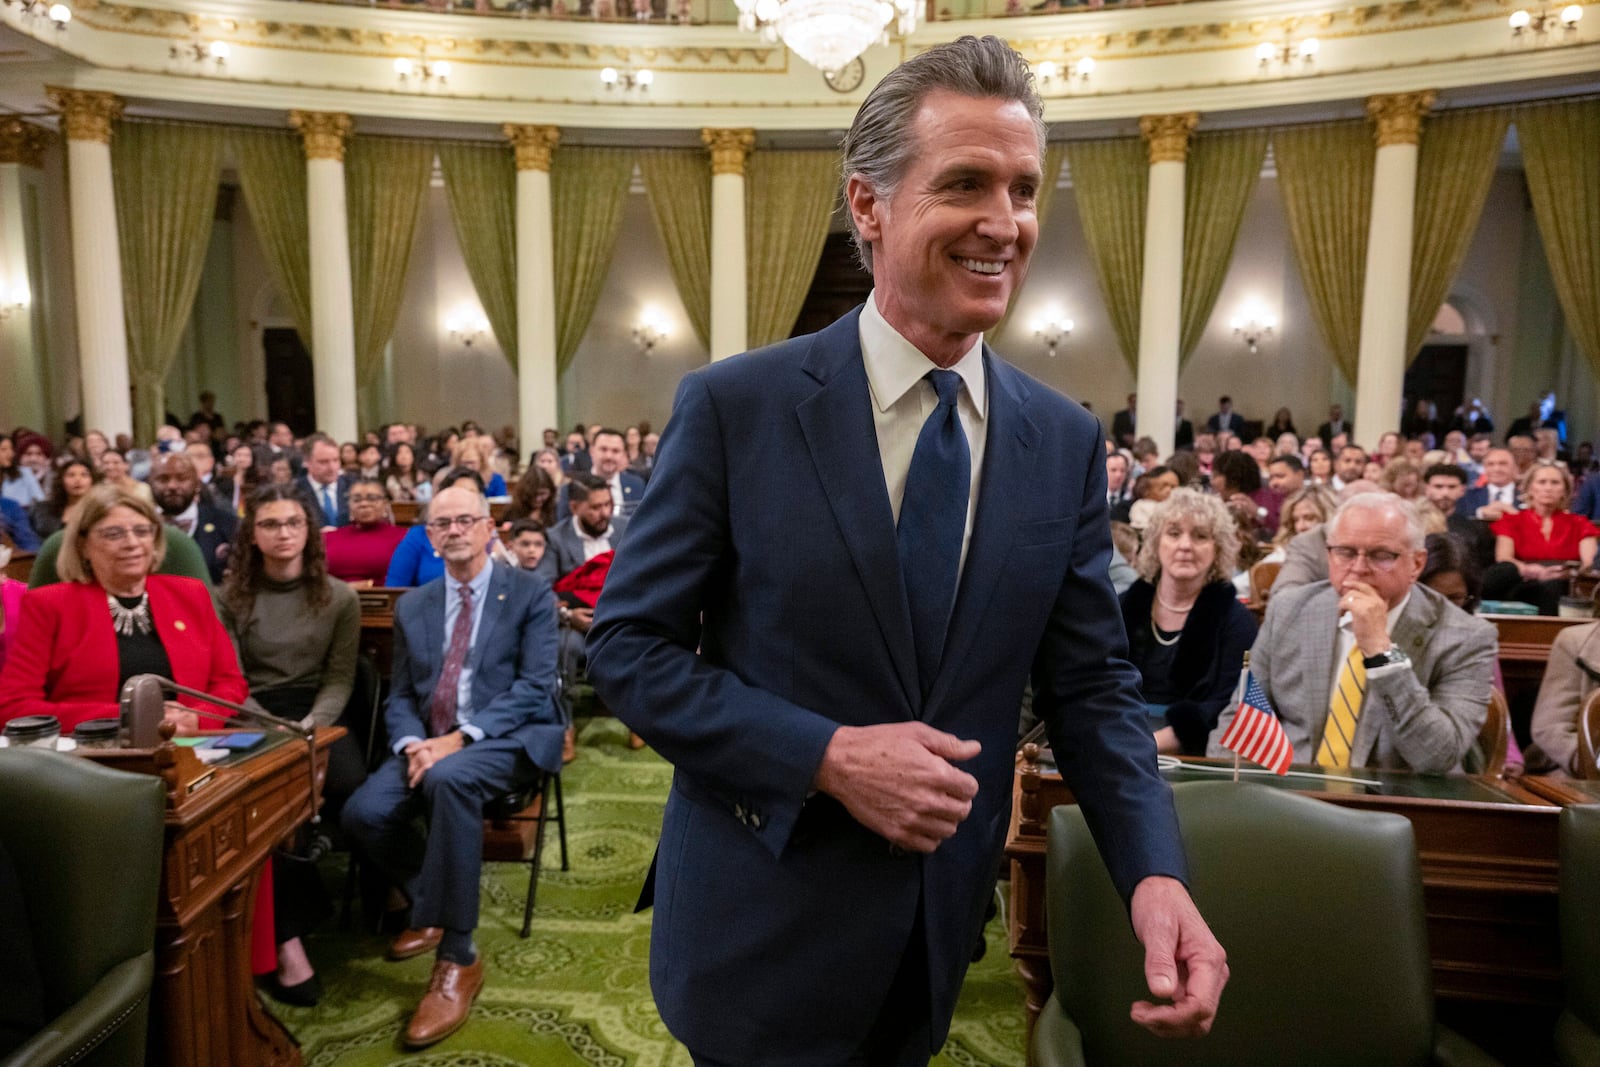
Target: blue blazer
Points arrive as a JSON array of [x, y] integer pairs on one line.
[[767, 543], [513, 663], [341, 494]]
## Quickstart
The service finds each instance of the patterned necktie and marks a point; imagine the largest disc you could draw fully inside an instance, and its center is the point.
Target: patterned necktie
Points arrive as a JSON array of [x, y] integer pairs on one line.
[[1343, 711], [933, 520], [442, 707]]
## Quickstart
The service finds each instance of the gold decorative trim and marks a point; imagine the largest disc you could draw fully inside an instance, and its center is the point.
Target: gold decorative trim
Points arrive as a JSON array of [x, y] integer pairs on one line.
[[86, 115], [728, 149], [1168, 135], [23, 142], [1399, 116], [324, 132], [534, 144]]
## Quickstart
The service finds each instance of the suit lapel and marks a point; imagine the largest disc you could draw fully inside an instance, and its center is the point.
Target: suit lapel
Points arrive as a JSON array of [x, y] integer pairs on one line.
[[431, 608], [837, 424], [493, 608], [1321, 617]]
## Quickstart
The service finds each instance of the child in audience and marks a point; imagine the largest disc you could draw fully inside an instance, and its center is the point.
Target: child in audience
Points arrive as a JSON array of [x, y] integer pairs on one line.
[[528, 543]]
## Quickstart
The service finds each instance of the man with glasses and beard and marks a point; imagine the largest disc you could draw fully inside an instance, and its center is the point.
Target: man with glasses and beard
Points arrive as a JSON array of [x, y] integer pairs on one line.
[[176, 485]]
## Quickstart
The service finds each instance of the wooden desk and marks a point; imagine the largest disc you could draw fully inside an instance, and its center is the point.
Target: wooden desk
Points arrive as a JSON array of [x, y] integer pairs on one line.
[[204, 1006], [20, 566], [1524, 650], [377, 625], [1489, 855]]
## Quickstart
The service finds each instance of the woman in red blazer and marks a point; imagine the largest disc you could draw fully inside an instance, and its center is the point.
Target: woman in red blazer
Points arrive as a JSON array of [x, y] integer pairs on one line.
[[110, 618]]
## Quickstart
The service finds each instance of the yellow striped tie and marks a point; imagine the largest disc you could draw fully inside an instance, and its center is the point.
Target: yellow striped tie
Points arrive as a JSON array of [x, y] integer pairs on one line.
[[1343, 710]]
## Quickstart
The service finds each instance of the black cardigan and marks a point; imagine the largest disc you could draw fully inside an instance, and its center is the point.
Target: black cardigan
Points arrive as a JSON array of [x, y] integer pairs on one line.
[[1218, 633]]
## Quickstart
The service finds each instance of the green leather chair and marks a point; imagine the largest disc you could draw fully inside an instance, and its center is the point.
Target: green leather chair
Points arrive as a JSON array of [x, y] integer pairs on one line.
[[1578, 1029], [1319, 909], [87, 843]]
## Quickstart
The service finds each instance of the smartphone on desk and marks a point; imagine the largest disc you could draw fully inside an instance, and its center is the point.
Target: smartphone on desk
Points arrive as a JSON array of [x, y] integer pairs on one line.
[[239, 741]]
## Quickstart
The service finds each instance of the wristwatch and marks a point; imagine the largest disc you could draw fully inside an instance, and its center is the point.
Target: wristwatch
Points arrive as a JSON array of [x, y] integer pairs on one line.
[[1384, 659]]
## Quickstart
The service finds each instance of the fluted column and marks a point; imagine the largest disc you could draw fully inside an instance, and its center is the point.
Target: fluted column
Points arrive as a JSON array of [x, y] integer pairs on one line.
[[537, 376], [729, 324], [22, 383], [1386, 299], [86, 118], [333, 330], [1161, 289]]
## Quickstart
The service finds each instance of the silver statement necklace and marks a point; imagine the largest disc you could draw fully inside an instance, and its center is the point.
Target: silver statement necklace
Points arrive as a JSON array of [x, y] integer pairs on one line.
[[130, 621]]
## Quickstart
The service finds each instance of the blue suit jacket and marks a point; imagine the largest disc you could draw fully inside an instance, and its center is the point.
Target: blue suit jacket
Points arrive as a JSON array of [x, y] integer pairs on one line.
[[767, 542], [513, 663], [341, 491], [632, 493]]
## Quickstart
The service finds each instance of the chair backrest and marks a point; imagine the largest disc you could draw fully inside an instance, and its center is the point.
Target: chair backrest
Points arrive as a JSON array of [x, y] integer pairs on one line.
[[1488, 755], [1589, 737], [1578, 1032], [1262, 575], [87, 842], [1318, 907]]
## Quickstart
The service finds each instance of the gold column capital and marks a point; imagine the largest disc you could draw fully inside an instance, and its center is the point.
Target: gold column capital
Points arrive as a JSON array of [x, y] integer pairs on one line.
[[23, 142], [86, 115], [535, 145], [324, 132], [1399, 116], [728, 149], [1168, 135]]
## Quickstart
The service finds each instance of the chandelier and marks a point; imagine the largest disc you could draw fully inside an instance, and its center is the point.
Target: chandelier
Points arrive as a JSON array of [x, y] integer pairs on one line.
[[828, 34]]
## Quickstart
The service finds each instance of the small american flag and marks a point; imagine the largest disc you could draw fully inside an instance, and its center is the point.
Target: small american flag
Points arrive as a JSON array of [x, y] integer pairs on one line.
[[1255, 733]]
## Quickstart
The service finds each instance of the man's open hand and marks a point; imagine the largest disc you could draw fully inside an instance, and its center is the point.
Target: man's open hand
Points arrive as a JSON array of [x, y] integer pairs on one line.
[[1183, 963], [898, 781]]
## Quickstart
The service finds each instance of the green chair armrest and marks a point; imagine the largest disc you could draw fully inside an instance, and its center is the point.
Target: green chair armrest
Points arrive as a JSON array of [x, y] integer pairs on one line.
[[1057, 1042], [1450, 1049], [1576, 1044], [118, 1000]]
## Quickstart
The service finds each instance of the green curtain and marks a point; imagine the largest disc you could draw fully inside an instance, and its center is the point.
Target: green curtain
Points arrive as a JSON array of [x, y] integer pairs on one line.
[[272, 176], [677, 182], [1110, 181], [1053, 156], [386, 179], [789, 201], [1325, 172], [166, 190], [1455, 168], [588, 190], [1560, 150], [480, 181], [1219, 178]]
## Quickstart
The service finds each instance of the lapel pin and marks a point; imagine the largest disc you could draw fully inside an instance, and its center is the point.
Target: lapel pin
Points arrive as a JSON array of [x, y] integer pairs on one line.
[[211, 528], [502, 596], [179, 625]]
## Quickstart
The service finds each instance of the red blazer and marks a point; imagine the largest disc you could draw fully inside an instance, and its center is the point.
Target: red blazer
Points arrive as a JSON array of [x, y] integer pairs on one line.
[[63, 658]]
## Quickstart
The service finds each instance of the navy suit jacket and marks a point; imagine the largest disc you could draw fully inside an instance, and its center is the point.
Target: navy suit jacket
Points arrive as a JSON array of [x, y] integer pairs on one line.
[[513, 663], [1474, 498], [564, 550], [767, 543], [341, 490], [213, 535]]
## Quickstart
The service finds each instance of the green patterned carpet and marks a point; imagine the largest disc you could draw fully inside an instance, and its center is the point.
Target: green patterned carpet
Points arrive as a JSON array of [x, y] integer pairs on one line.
[[577, 991]]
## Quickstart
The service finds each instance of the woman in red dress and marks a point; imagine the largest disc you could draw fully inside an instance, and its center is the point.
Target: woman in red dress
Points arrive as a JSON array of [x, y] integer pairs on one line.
[[1533, 546]]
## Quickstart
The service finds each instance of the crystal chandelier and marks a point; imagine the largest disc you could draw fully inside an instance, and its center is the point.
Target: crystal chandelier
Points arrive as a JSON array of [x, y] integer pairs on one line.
[[828, 34]]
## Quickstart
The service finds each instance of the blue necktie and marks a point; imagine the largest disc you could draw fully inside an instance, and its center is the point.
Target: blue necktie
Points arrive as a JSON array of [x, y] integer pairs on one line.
[[933, 521], [329, 508]]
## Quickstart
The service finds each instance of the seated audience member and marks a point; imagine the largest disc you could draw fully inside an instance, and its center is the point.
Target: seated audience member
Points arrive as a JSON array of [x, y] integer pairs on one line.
[[529, 543], [297, 630], [1305, 558], [1286, 476], [1402, 477], [591, 530], [646, 462], [34, 452], [280, 471], [177, 491], [113, 468], [1349, 465], [415, 560], [549, 461], [1124, 550], [238, 479], [1587, 503], [1282, 423], [1149, 490], [1319, 468], [326, 481], [17, 482], [1533, 546], [608, 462], [456, 746], [1186, 465], [1371, 668], [1236, 478], [205, 469], [11, 592], [1547, 445], [476, 453], [1119, 487], [1389, 446], [1145, 455], [361, 551], [349, 458], [1445, 484], [1570, 678], [1498, 496], [533, 497], [15, 526], [112, 616], [369, 461], [1303, 512], [1187, 631], [1286, 444], [402, 480], [1523, 452]]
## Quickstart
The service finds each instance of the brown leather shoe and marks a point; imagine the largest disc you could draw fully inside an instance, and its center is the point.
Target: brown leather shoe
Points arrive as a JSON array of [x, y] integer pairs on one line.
[[415, 942], [569, 745], [451, 991]]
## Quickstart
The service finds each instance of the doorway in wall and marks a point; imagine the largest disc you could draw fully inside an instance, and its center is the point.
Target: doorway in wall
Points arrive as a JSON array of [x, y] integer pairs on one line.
[[290, 395], [838, 285], [1438, 375]]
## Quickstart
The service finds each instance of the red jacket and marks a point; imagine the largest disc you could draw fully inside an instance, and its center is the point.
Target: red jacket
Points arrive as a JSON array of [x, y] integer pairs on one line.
[[63, 659]]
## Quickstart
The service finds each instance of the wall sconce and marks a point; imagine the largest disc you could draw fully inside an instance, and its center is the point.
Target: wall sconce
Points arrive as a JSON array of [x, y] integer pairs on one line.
[[1078, 70], [1289, 55], [467, 327], [202, 52], [649, 331], [1252, 327], [58, 14], [628, 80], [1053, 330], [16, 300], [421, 71], [1523, 21]]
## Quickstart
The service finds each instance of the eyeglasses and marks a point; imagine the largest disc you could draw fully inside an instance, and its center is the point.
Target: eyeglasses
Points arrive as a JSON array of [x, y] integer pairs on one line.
[[272, 526], [460, 522], [112, 535], [1381, 558], [367, 498]]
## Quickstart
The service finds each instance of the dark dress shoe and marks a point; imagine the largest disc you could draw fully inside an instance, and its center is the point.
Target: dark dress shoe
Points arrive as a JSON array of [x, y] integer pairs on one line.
[[415, 942], [307, 994], [451, 991]]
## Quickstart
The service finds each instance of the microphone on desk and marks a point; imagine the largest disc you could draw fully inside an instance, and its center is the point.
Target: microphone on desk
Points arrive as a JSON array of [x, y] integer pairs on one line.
[[144, 707]]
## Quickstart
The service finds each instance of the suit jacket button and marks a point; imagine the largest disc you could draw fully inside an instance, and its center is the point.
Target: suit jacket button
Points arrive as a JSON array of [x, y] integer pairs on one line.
[[755, 820]]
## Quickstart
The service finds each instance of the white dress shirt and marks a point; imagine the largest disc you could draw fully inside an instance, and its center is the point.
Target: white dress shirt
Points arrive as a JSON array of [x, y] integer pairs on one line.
[[902, 400], [592, 546]]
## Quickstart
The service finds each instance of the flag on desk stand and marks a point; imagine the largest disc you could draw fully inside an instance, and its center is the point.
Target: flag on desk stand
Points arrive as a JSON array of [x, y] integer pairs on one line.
[[1255, 733]]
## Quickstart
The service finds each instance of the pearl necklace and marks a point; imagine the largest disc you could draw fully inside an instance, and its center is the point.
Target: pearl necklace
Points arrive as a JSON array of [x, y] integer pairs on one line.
[[1164, 642], [1173, 607]]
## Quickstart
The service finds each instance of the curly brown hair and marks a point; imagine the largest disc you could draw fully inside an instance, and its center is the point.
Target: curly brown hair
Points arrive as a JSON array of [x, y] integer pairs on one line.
[[526, 491], [245, 565]]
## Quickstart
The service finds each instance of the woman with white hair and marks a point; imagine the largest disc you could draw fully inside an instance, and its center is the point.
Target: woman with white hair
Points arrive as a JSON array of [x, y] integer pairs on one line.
[[1187, 631]]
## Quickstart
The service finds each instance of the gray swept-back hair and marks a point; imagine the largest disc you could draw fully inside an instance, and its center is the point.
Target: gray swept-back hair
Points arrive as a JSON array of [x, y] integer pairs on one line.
[[1416, 532], [880, 144]]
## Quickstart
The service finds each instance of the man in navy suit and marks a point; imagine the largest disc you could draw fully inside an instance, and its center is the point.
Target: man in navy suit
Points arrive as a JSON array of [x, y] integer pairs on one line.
[[1497, 496], [608, 458], [326, 483], [858, 548], [472, 716], [1226, 418]]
